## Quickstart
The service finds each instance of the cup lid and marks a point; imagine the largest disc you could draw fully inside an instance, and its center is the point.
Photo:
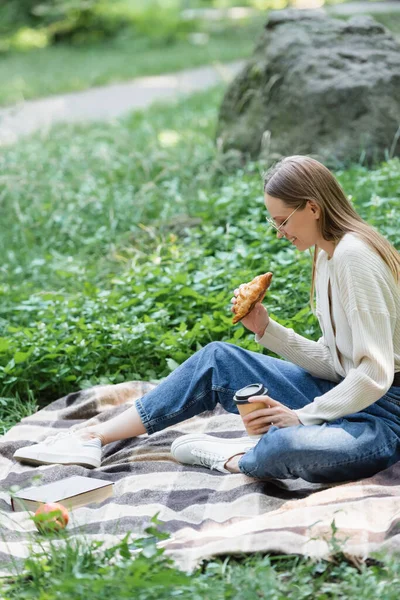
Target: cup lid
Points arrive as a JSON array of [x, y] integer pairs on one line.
[[254, 389]]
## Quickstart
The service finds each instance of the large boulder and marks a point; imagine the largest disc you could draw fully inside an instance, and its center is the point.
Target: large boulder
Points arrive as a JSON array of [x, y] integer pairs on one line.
[[316, 85]]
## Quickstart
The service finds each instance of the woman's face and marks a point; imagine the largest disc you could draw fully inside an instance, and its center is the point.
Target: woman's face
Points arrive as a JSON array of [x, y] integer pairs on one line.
[[301, 228]]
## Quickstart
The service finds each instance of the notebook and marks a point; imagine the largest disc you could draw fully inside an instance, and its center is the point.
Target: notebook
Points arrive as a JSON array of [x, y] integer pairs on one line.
[[71, 492]]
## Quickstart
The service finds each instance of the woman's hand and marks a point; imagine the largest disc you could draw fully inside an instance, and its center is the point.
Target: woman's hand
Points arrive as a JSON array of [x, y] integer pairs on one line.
[[257, 320], [274, 413]]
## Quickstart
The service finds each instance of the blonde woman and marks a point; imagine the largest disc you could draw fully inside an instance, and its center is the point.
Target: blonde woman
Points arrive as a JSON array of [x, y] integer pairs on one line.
[[333, 409]]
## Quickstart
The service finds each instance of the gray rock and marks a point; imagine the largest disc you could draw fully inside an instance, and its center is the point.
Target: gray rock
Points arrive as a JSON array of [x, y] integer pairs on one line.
[[316, 85]]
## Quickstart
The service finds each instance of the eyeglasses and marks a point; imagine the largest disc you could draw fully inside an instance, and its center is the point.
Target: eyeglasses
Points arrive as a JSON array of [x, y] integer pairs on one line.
[[279, 227]]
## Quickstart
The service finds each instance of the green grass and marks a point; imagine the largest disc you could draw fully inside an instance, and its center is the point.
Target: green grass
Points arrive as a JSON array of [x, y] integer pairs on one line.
[[123, 243], [65, 68]]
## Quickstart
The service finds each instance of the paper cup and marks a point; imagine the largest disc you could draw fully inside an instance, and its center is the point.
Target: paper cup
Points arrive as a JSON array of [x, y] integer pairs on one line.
[[241, 399]]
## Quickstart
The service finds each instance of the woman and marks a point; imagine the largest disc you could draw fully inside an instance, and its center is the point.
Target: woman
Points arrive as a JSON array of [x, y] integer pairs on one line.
[[333, 409]]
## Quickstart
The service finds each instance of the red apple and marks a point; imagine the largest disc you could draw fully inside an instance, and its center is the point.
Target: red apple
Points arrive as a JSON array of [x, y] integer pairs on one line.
[[51, 517]]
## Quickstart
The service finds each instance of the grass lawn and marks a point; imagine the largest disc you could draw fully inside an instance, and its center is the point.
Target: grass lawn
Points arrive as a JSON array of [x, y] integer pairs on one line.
[[64, 68], [123, 243]]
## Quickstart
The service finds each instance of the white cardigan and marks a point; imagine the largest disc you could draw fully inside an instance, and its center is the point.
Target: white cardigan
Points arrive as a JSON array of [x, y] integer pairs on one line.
[[364, 353]]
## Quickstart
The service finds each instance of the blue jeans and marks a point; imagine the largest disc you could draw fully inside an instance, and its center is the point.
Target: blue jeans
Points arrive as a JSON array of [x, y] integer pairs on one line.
[[350, 448]]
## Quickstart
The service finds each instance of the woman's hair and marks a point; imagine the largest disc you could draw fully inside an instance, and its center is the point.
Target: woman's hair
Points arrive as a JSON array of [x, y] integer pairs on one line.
[[296, 179]]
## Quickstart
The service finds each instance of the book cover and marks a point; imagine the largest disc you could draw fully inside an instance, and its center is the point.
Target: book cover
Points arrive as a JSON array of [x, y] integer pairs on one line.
[[71, 492]]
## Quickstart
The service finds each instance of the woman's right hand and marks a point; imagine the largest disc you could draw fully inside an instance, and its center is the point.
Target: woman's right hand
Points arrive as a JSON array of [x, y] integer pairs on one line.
[[257, 320]]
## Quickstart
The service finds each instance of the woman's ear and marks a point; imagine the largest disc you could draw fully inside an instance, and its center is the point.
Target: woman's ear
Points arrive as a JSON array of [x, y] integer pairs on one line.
[[314, 207]]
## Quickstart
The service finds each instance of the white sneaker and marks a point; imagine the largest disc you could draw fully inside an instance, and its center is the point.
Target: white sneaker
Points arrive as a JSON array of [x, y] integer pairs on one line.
[[65, 448], [209, 451]]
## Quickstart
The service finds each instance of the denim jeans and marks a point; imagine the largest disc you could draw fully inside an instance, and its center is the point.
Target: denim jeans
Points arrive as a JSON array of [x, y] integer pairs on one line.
[[346, 449]]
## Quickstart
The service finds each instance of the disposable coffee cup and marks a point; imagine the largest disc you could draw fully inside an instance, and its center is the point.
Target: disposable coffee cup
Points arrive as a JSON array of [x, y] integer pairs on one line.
[[241, 398]]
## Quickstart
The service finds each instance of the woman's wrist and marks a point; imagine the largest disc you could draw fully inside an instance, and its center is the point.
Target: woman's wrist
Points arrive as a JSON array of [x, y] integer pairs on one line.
[[261, 333]]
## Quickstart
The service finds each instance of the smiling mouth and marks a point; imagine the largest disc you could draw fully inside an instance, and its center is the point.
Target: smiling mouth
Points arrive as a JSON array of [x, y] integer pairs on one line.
[[293, 240]]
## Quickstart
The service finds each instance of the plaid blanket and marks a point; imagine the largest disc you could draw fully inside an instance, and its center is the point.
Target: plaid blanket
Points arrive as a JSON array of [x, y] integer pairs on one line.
[[206, 513]]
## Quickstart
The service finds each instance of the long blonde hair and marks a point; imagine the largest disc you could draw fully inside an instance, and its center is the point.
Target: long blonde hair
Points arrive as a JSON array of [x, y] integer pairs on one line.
[[297, 179]]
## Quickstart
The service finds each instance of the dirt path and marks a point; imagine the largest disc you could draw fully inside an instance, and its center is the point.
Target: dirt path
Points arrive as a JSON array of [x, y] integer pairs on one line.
[[108, 102]]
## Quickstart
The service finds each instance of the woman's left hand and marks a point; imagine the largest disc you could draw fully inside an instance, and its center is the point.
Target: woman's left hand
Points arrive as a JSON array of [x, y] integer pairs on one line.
[[274, 413]]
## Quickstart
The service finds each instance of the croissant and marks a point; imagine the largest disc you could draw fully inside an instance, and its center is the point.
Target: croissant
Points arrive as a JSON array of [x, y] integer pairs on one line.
[[250, 293]]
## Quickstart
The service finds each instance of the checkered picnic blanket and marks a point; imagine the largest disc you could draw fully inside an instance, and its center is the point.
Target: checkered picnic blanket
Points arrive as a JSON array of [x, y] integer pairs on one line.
[[206, 513]]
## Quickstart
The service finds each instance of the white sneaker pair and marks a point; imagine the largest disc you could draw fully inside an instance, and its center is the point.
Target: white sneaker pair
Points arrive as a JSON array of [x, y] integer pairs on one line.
[[68, 448]]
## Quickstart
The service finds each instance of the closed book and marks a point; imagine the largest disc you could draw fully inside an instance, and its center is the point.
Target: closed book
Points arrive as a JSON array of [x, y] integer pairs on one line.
[[71, 492]]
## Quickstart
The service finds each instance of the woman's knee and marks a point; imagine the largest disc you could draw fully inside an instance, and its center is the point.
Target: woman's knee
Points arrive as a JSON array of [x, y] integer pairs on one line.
[[221, 359], [217, 349]]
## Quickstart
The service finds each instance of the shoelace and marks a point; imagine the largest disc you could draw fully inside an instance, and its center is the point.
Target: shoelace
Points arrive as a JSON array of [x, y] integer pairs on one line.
[[58, 436], [207, 459]]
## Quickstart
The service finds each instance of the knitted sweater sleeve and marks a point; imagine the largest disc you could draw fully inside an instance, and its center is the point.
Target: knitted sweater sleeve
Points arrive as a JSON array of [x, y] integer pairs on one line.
[[314, 357], [370, 308]]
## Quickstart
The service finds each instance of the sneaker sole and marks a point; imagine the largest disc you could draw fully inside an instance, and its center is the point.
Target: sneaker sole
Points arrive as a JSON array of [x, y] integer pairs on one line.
[[38, 461]]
